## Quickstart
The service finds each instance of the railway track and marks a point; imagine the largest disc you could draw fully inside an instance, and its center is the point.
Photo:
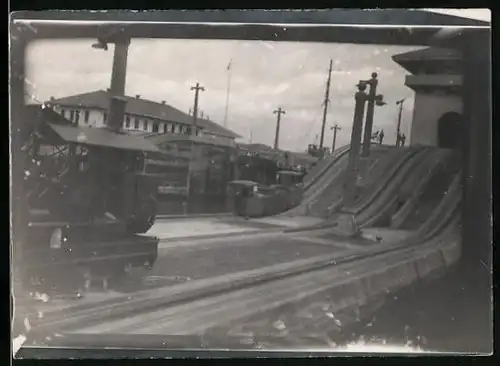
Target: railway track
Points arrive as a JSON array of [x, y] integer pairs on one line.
[[203, 291], [197, 306], [212, 309]]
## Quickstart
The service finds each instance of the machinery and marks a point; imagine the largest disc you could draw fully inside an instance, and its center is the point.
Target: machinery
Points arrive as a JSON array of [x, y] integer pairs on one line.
[[251, 199], [86, 199]]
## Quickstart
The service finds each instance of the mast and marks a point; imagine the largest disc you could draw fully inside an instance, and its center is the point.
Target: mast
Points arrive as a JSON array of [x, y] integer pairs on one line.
[[325, 110]]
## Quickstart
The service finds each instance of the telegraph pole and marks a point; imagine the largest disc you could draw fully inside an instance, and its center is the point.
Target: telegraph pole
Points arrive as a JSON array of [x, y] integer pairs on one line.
[[197, 88], [325, 109], [279, 112], [398, 130], [335, 129]]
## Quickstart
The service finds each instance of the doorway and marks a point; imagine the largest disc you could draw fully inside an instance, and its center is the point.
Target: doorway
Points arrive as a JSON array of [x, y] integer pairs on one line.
[[449, 130]]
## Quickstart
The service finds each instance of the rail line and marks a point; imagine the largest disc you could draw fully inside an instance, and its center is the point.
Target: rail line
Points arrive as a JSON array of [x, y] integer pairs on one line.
[[172, 297], [437, 226]]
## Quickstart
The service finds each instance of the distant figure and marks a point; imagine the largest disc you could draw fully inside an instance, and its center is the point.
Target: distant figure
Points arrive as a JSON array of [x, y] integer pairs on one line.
[[403, 139], [381, 137]]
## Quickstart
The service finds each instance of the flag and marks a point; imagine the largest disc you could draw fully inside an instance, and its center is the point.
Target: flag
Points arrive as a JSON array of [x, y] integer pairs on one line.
[[229, 65]]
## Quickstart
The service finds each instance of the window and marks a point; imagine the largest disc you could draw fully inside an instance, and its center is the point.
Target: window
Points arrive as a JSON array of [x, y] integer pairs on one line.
[[172, 128], [71, 115], [87, 116], [136, 124], [77, 116], [165, 128], [127, 121], [188, 130], [145, 125], [63, 112], [156, 127]]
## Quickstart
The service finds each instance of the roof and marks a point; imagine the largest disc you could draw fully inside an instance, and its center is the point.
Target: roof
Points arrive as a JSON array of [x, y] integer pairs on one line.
[[102, 137], [428, 54], [158, 138], [143, 107]]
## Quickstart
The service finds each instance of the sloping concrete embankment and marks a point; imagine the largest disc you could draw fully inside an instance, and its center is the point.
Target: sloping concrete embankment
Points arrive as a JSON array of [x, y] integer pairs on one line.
[[343, 294]]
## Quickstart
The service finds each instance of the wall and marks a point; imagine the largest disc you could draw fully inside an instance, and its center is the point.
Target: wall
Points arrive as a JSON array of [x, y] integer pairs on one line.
[[428, 108], [96, 119]]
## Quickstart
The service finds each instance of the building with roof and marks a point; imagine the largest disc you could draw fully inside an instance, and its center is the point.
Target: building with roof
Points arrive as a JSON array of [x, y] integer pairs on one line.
[[195, 169], [141, 116], [436, 78]]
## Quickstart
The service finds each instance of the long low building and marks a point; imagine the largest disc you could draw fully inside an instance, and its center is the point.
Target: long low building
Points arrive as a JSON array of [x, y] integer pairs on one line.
[[141, 115]]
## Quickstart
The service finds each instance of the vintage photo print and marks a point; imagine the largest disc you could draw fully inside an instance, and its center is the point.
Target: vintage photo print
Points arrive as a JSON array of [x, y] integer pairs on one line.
[[250, 183]]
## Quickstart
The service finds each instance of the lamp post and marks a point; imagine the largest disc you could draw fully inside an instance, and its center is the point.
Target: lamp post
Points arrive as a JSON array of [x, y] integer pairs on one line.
[[398, 129], [373, 100], [346, 221]]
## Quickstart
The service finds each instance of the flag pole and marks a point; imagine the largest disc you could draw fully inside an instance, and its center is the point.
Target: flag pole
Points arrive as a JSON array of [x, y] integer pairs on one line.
[[228, 90]]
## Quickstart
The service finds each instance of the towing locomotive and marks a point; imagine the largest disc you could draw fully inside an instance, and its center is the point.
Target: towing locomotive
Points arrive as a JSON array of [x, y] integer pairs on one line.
[[86, 201], [251, 199]]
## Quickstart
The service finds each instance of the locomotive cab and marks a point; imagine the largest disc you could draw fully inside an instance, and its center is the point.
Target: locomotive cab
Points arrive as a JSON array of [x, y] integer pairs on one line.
[[289, 178]]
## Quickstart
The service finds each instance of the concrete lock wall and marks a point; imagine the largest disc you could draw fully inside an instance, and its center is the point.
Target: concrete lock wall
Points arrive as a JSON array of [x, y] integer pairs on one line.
[[428, 109]]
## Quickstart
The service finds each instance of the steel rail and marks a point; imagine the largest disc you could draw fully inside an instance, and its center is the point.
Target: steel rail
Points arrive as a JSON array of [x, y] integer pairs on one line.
[[147, 305]]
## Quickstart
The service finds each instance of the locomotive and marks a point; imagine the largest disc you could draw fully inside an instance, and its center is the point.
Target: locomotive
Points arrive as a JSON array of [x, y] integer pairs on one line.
[[86, 201], [251, 199]]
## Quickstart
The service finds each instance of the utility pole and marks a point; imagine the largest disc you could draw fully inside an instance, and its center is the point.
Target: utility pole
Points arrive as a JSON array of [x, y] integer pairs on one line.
[[398, 129], [370, 109], [197, 88], [279, 112], [335, 129], [325, 109]]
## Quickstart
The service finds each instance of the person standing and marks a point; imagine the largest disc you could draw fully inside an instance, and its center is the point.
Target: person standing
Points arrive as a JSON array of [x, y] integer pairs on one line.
[[403, 139], [381, 137]]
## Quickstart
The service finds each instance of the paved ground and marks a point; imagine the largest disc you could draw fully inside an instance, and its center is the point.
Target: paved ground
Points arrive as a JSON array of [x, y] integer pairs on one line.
[[189, 227], [289, 222], [173, 229], [195, 259], [228, 255]]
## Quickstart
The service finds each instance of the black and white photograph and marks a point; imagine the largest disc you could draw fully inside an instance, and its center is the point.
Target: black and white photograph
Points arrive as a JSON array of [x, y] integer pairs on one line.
[[229, 184]]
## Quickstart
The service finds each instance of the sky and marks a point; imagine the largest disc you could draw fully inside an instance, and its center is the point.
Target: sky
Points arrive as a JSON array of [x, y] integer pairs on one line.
[[264, 76]]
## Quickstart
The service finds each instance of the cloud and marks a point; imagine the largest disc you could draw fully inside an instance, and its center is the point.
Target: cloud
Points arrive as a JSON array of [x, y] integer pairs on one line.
[[265, 75]]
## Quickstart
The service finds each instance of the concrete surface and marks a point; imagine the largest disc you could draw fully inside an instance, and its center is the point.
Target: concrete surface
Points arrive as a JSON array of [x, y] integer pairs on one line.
[[289, 222], [348, 285], [197, 226]]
